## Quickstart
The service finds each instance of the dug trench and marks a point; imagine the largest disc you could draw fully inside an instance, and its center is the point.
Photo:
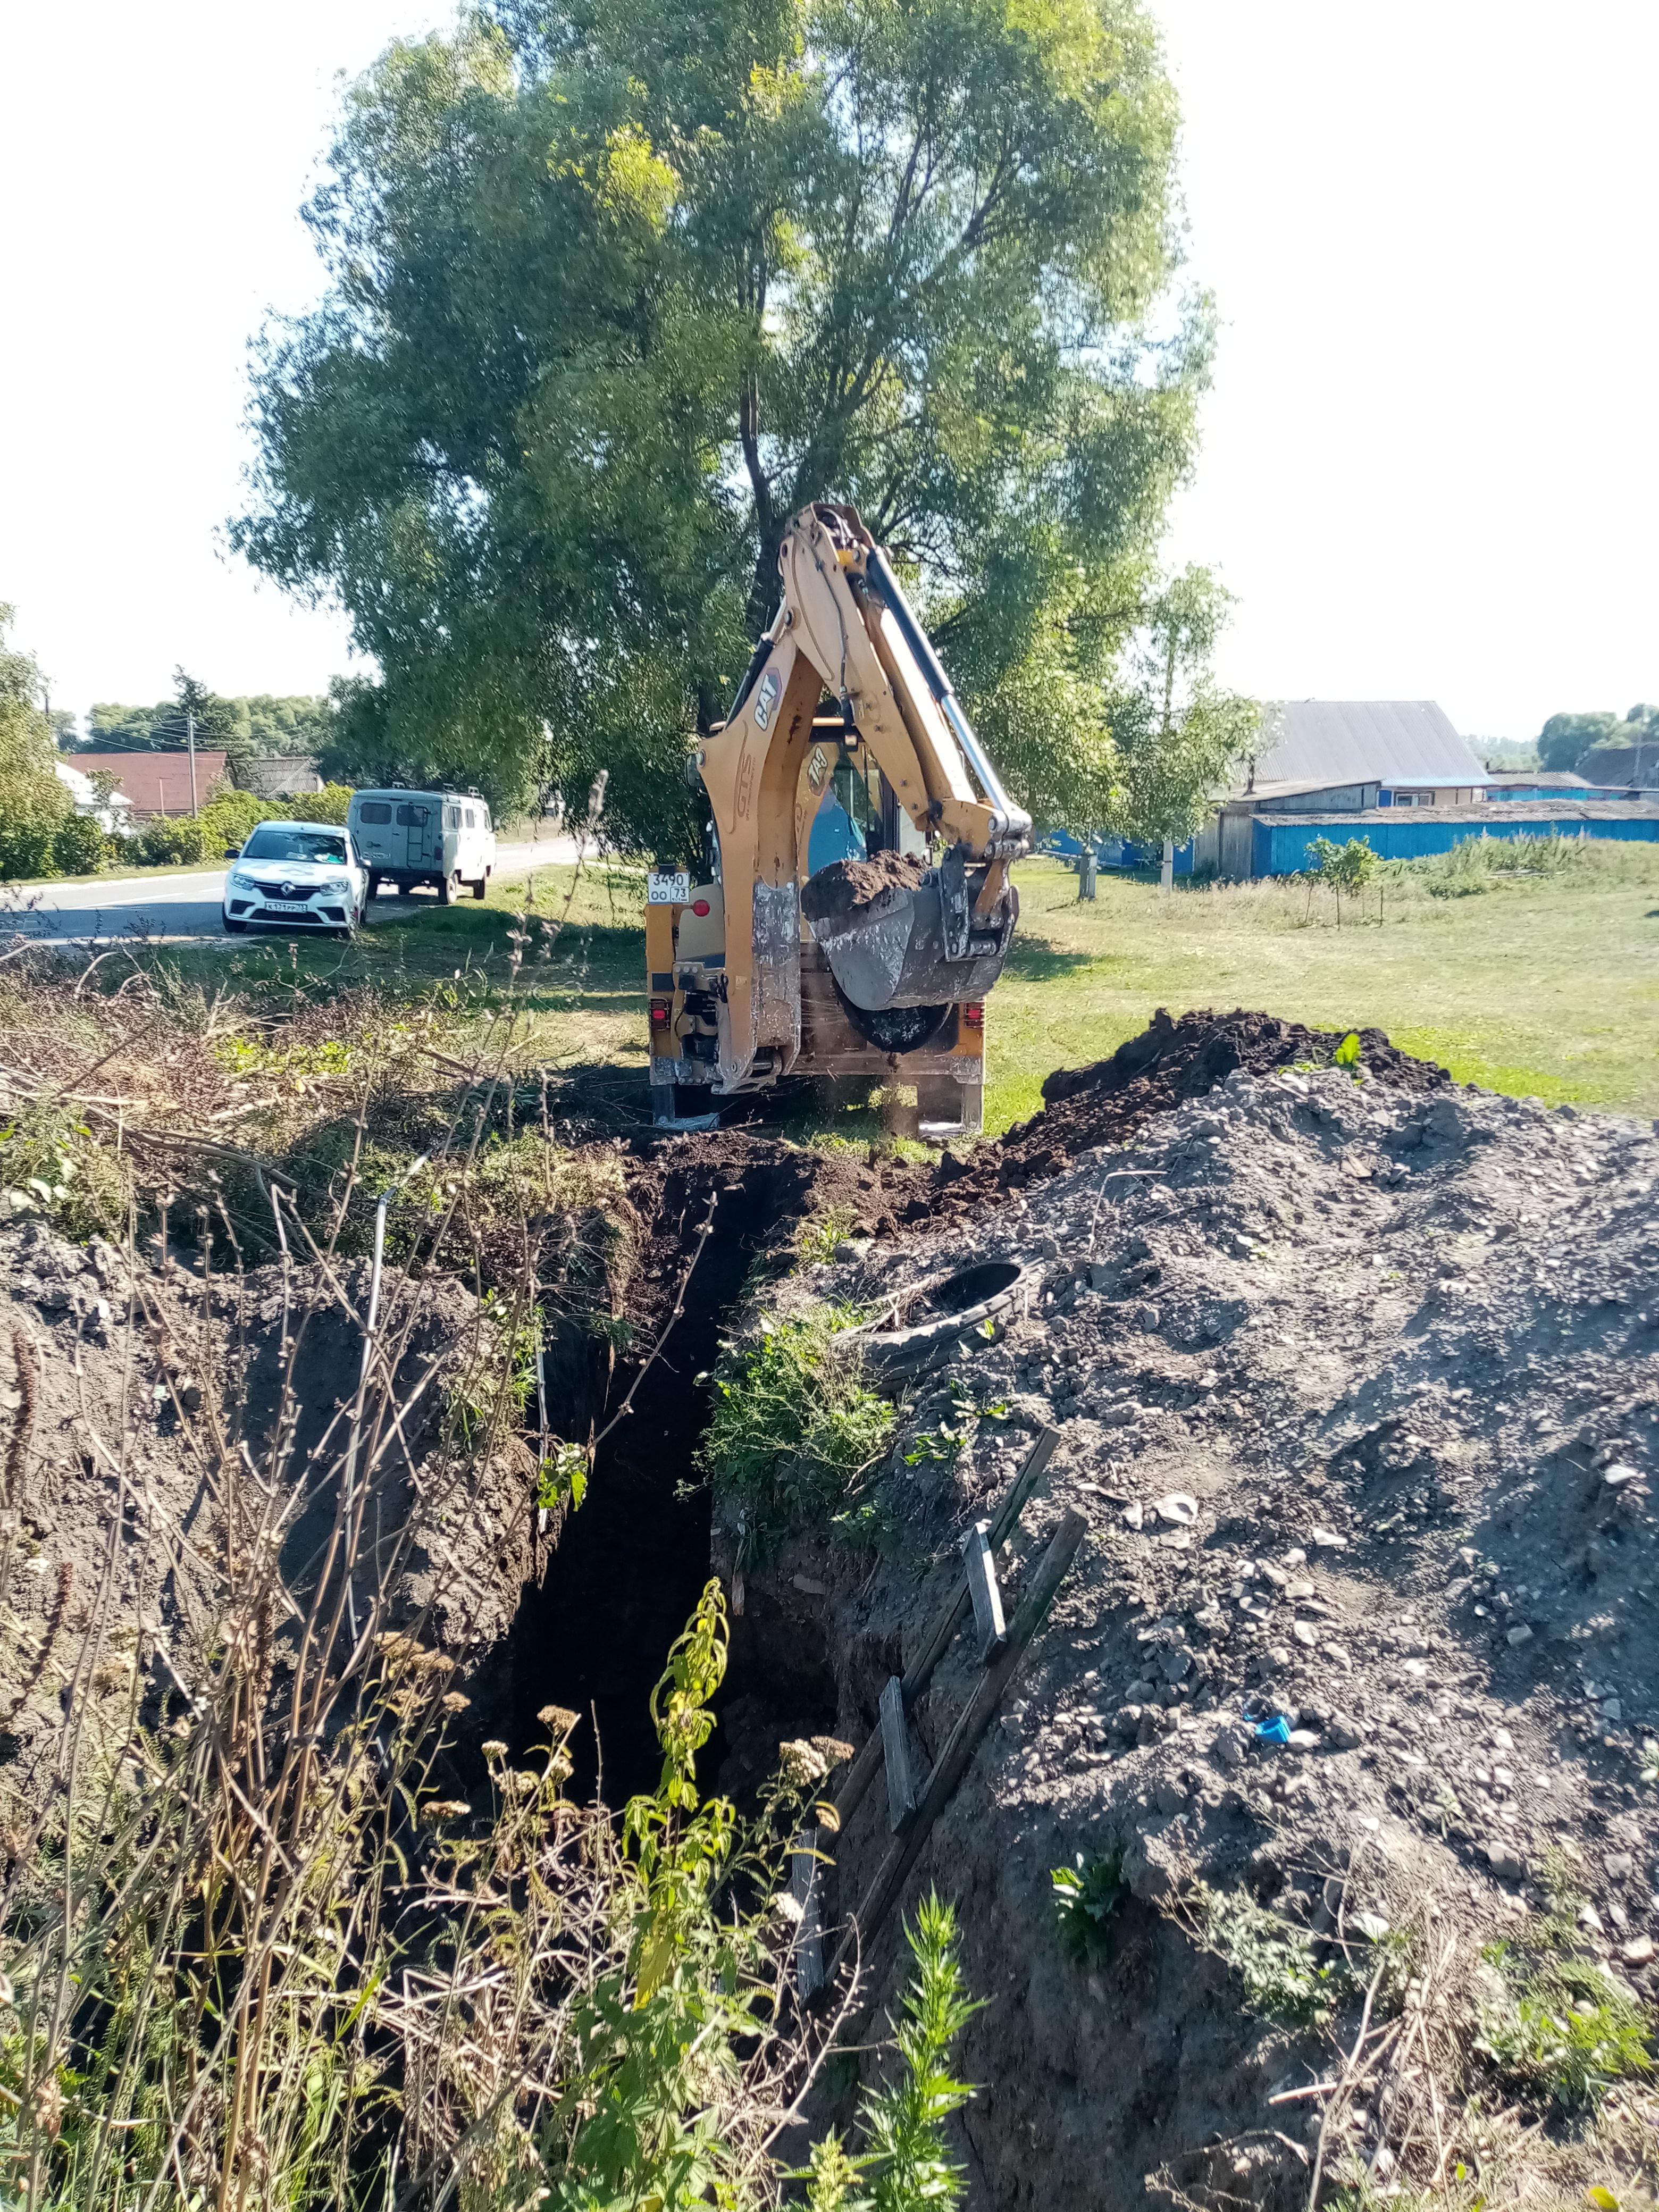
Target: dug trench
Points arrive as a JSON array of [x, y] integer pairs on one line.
[[712, 1220]]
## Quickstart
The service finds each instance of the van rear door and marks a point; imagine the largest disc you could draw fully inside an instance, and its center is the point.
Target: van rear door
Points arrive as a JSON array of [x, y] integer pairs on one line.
[[417, 818], [377, 840]]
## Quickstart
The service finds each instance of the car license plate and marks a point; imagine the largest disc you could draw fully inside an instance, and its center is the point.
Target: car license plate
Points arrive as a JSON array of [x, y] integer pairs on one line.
[[288, 906], [662, 889]]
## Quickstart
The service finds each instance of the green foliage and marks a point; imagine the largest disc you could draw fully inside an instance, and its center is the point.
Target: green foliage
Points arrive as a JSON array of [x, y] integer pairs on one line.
[[1345, 868], [562, 1479], [1554, 2022], [820, 1239], [1347, 1053], [1565, 739], [52, 1165], [228, 820], [794, 1426], [328, 805], [1086, 1898], [1178, 736], [34, 802], [79, 846], [904, 2167], [1274, 1958], [615, 290], [1482, 863]]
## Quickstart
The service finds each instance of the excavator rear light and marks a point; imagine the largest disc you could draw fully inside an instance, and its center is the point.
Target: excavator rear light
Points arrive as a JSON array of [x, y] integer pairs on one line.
[[660, 1011], [700, 906], [973, 1015]]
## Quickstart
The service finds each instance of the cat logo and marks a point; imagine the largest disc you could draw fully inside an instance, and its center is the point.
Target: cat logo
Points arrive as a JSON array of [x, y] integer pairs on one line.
[[767, 697], [817, 768]]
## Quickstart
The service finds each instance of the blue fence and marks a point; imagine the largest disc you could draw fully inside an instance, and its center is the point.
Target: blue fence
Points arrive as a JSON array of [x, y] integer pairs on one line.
[[1279, 843]]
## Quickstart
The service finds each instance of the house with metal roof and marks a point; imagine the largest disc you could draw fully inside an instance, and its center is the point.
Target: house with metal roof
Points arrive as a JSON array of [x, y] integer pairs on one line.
[[1407, 748], [1396, 773]]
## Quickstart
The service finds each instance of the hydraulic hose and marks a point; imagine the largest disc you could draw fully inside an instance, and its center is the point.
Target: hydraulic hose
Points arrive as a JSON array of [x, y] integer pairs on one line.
[[1009, 818]]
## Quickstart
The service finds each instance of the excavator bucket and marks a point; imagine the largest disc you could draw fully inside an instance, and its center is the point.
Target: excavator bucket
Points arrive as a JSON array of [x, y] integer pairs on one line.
[[898, 933]]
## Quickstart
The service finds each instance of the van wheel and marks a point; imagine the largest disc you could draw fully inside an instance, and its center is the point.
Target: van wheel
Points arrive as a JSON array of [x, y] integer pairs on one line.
[[481, 886], [374, 890], [446, 891]]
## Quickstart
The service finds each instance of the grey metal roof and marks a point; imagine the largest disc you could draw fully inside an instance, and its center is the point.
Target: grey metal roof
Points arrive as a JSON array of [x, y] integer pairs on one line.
[[1321, 741], [1548, 779], [1519, 810]]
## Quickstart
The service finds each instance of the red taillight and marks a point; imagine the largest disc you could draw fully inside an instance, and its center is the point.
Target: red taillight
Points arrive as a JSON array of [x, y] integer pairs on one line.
[[974, 1016], [660, 1011], [700, 906]]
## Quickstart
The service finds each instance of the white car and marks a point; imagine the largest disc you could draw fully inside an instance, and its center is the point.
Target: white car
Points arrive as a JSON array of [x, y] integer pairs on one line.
[[296, 875]]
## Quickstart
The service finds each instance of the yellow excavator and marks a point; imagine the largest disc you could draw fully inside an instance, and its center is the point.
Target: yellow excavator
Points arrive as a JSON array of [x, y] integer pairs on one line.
[[856, 906]]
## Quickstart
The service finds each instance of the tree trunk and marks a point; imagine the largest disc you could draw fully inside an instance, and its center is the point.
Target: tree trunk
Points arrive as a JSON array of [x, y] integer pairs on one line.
[[1167, 884]]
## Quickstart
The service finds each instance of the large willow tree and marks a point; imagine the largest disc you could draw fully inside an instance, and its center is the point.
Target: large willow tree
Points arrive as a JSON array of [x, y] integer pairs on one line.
[[618, 284]]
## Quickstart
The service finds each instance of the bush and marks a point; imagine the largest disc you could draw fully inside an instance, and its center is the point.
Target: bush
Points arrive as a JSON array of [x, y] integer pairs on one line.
[[25, 847], [794, 1426], [328, 805], [233, 817], [79, 846], [173, 841]]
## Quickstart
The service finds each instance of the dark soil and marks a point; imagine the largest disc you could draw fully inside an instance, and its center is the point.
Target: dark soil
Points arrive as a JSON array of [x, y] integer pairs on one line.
[[1107, 1101], [848, 883]]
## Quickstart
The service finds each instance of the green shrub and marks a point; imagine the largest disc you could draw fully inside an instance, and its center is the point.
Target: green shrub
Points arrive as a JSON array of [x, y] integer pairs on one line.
[[175, 841], [25, 847], [79, 845], [328, 805], [795, 1427], [232, 817]]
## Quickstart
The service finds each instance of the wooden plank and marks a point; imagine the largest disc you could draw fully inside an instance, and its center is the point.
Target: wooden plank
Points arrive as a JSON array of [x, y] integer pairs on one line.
[[896, 1756], [952, 1763], [806, 1888], [862, 1772], [984, 1590]]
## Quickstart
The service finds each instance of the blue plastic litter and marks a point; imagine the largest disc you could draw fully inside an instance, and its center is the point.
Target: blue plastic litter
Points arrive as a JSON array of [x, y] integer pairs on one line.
[[1277, 1730]]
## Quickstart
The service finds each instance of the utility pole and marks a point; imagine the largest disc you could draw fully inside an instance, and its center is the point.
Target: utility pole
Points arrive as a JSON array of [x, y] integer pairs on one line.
[[190, 739]]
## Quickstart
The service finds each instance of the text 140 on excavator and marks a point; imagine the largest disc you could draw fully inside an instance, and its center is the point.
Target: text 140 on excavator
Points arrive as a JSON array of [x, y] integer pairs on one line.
[[856, 906]]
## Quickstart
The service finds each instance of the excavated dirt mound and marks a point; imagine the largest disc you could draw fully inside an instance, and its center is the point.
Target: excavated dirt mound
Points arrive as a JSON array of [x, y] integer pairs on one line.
[[1170, 1060], [1358, 1386]]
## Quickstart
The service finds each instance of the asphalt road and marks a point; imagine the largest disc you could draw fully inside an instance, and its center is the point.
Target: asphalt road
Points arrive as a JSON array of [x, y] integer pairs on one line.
[[170, 909]]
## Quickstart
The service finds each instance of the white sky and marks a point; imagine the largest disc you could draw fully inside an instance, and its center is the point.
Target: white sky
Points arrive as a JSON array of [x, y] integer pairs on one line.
[[1430, 462]]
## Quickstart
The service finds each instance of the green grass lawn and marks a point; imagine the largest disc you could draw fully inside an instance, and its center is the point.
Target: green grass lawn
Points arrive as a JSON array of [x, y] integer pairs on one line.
[[1544, 984]]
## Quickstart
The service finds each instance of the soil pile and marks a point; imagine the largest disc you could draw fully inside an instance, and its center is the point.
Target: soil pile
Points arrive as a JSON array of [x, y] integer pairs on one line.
[[1170, 1060], [845, 885], [1358, 1390]]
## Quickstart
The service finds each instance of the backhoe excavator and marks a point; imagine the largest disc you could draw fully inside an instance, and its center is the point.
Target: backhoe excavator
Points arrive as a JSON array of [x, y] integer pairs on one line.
[[855, 905]]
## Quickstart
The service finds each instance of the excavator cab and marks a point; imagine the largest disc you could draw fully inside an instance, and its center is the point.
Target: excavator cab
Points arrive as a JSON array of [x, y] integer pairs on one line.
[[855, 907]]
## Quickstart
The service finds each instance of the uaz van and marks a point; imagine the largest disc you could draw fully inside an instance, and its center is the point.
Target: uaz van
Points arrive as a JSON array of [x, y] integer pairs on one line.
[[444, 838]]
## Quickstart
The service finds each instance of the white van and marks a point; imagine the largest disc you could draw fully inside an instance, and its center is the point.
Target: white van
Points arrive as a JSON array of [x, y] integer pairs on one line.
[[444, 838]]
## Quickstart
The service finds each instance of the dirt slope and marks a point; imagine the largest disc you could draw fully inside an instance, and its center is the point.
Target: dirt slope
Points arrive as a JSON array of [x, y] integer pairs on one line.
[[1392, 1350]]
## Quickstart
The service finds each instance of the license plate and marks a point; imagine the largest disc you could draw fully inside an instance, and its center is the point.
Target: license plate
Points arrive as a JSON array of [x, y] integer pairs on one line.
[[663, 890], [287, 906]]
